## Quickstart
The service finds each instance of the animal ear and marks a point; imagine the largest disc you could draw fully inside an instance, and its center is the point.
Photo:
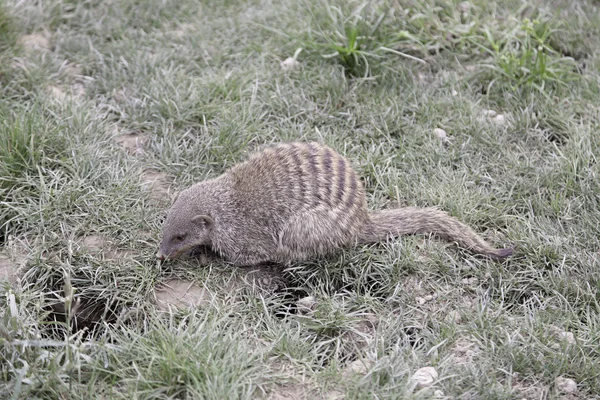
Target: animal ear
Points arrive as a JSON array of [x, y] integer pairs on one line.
[[204, 220]]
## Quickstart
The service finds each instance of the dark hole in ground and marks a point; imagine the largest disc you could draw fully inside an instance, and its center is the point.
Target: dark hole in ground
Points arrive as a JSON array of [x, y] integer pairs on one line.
[[288, 304], [85, 314], [412, 336]]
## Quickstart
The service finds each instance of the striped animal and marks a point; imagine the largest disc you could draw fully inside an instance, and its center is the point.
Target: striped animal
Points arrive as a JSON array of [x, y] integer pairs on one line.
[[293, 202]]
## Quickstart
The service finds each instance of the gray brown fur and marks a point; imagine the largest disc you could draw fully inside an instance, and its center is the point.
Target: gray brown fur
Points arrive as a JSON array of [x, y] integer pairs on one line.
[[293, 202]]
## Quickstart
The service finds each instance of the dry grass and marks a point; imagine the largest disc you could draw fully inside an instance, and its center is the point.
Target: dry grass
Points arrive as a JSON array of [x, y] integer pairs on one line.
[[107, 109]]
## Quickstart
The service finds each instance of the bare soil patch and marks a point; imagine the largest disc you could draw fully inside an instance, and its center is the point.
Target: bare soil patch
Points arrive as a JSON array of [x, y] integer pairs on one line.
[[180, 294], [132, 143], [9, 268], [182, 31], [104, 248], [464, 351], [291, 391], [528, 390], [75, 92], [35, 42], [156, 183]]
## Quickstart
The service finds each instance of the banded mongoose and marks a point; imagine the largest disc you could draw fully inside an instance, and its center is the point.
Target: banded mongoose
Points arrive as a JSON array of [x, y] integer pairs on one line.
[[292, 202]]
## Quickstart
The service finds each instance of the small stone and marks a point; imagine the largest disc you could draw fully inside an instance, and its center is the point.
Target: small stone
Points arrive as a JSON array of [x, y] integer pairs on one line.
[[306, 304], [454, 93], [332, 395], [290, 64], [420, 300], [499, 119], [568, 336], [429, 297], [442, 135], [470, 281], [565, 385], [424, 377], [438, 394]]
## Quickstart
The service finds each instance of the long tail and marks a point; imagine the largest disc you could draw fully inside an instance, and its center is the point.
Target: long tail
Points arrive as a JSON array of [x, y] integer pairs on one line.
[[412, 220]]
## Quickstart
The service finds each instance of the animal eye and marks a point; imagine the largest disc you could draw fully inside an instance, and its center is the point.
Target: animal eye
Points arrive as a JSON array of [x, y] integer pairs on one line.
[[179, 238]]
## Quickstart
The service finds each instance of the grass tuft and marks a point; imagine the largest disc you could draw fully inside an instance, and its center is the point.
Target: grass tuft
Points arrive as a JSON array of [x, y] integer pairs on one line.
[[525, 59], [30, 148]]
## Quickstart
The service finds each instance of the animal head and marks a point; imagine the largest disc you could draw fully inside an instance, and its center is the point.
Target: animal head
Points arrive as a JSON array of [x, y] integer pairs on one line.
[[184, 228]]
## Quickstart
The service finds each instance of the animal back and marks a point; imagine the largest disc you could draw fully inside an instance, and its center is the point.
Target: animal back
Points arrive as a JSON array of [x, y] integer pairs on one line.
[[289, 179]]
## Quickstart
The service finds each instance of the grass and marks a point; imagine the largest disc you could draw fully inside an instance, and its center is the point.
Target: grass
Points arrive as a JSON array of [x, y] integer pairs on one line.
[[199, 85]]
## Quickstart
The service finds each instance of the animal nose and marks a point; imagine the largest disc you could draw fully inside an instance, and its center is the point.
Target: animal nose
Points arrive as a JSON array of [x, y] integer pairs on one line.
[[160, 256]]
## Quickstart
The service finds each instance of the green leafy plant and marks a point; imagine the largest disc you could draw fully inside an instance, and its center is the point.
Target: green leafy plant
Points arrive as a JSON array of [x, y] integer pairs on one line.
[[524, 58], [352, 38]]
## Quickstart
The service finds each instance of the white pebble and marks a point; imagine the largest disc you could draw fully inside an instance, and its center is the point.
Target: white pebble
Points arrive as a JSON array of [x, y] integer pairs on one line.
[[289, 64], [424, 377], [454, 93], [420, 300], [565, 385], [568, 336], [442, 135], [306, 304], [470, 281], [499, 119]]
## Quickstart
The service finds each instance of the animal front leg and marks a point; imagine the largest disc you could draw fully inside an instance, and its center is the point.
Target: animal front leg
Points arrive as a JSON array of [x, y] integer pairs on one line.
[[204, 255]]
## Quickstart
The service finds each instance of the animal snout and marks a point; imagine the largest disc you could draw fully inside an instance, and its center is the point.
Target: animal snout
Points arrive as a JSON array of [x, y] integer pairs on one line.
[[160, 256]]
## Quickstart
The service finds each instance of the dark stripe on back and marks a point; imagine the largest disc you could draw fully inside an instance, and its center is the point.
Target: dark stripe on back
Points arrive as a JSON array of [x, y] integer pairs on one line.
[[341, 179], [300, 174], [327, 176], [312, 159], [283, 188], [313, 150], [351, 202], [327, 162]]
